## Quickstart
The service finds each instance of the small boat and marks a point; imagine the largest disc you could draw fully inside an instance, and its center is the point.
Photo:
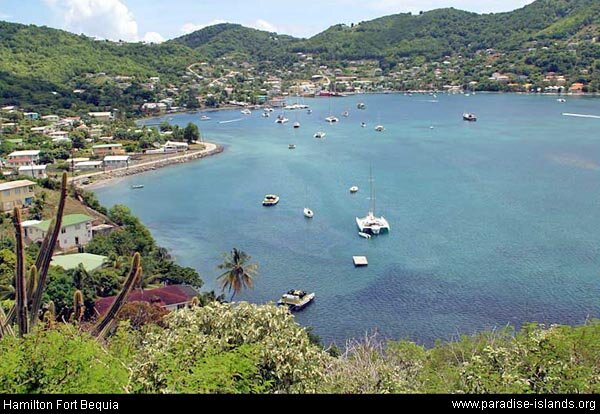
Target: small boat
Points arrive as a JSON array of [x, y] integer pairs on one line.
[[282, 120], [292, 146], [332, 119], [361, 106], [296, 125], [379, 128], [309, 111], [320, 135], [470, 117], [346, 114], [246, 112], [561, 100], [266, 114], [354, 190], [270, 200], [205, 118], [296, 300], [365, 235], [137, 187], [363, 125], [308, 213]]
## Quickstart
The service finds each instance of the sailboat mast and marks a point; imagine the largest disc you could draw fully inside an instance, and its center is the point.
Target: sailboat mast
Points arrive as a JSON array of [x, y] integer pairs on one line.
[[372, 190]]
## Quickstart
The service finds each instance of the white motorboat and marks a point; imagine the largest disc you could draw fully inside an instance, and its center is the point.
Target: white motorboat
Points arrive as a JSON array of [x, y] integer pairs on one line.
[[379, 128], [363, 125], [205, 118], [470, 117], [332, 119], [361, 106], [371, 224], [269, 109], [346, 114], [266, 114], [246, 112], [296, 300], [296, 125], [309, 111], [270, 200], [282, 120], [292, 146], [320, 135], [354, 190], [308, 213], [365, 235], [561, 100]]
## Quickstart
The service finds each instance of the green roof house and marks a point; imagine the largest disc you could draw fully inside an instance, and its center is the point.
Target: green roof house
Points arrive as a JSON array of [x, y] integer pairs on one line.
[[76, 231]]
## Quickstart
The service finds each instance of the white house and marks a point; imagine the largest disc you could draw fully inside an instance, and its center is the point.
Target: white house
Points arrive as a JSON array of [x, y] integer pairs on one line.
[[34, 171], [88, 165], [116, 161], [172, 146], [19, 158], [101, 116], [51, 118], [76, 231]]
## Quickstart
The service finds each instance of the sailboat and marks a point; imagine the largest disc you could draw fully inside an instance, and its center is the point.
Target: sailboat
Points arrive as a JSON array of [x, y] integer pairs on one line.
[[372, 224], [331, 119]]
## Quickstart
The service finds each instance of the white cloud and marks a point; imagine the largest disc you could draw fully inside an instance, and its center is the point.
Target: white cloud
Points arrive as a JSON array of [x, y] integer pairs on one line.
[[105, 19], [153, 37], [192, 27], [261, 24]]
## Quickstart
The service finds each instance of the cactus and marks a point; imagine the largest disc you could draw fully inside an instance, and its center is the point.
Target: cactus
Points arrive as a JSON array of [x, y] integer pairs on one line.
[[5, 328], [78, 306], [102, 328], [31, 283], [45, 256], [21, 294]]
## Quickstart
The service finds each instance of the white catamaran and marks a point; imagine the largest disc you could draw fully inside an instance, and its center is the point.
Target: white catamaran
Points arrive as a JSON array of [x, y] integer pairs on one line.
[[372, 224]]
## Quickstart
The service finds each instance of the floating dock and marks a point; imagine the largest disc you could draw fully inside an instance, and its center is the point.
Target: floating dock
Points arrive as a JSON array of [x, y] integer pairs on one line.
[[360, 261]]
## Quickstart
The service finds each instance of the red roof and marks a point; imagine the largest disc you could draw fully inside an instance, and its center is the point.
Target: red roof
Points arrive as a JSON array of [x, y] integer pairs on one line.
[[164, 296]]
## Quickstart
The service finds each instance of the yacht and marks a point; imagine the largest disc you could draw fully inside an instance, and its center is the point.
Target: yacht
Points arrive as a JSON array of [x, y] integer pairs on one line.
[[561, 100], [282, 120], [309, 111], [296, 300], [470, 117], [246, 112], [136, 187], [332, 119], [372, 224], [346, 114], [266, 114], [354, 190], [320, 135], [205, 118], [296, 125], [270, 200], [292, 146], [379, 128], [361, 106], [308, 213], [363, 125], [269, 109]]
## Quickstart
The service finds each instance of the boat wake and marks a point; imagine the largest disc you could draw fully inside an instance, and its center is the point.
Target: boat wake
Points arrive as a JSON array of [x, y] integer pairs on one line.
[[233, 120], [582, 116]]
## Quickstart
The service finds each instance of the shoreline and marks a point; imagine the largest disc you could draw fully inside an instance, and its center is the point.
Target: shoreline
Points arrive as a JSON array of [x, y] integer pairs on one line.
[[106, 178]]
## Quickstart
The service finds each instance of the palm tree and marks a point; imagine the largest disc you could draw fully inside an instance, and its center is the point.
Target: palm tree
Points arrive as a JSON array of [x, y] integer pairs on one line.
[[239, 272]]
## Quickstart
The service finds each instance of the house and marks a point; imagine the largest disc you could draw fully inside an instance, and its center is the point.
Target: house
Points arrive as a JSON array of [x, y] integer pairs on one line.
[[108, 149], [103, 229], [34, 171], [51, 118], [116, 161], [89, 261], [88, 165], [16, 194], [19, 158], [76, 231], [169, 297], [101, 116], [34, 116], [171, 146], [577, 87]]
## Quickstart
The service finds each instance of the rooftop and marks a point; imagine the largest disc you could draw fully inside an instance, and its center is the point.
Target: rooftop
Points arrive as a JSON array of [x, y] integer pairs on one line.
[[68, 220], [32, 167], [15, 184], [116, 158], [164, 296], [89, 261], [106, 146], [28, 153]]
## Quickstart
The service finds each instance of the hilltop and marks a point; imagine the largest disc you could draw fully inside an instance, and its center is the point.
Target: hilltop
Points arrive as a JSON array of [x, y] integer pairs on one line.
[[49, 68]]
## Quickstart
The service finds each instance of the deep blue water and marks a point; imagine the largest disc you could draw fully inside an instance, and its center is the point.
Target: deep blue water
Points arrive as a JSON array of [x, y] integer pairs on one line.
[[493, 223]]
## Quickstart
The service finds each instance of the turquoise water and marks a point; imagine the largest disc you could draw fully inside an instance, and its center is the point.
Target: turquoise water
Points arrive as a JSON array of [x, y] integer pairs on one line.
[[493, 223]]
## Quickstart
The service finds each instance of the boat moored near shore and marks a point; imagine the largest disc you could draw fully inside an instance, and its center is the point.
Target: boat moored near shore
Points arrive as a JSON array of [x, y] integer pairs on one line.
[[296, 300], [270, 200]]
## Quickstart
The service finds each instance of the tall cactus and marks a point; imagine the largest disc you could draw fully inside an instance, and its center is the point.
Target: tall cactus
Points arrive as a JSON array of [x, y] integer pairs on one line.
[[21, 292], [104, 325], [78, 306], [31, 283], [5, 328], [45, 256]]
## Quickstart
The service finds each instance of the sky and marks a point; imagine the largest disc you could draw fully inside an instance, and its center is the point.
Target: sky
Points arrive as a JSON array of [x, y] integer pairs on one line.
[[156, 21]]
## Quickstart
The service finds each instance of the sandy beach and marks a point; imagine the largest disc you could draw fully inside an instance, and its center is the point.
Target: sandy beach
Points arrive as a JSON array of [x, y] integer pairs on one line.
[[104, 178]]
